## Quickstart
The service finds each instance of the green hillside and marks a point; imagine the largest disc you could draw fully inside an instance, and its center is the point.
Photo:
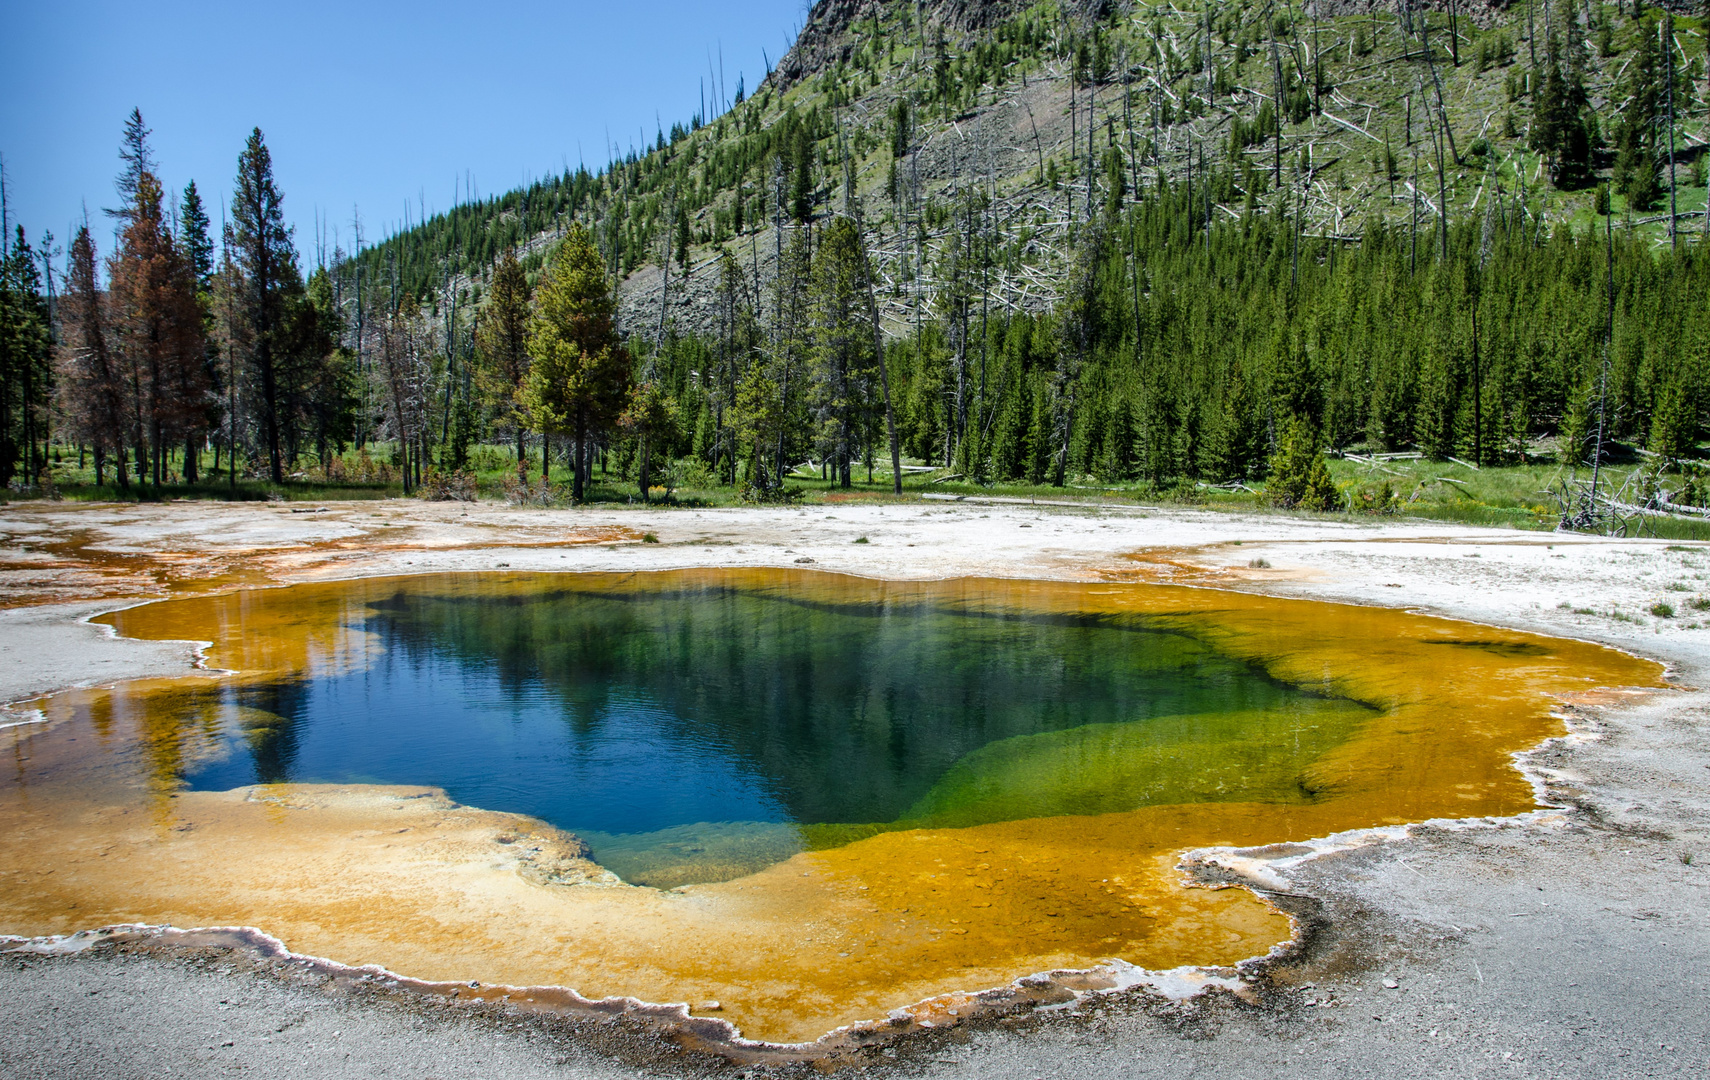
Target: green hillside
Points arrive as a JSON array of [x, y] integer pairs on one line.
[[928, 102], [1157, 244]]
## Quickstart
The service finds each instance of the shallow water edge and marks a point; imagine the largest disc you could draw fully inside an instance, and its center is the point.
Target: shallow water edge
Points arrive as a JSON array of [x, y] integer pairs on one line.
[[1484, 695]]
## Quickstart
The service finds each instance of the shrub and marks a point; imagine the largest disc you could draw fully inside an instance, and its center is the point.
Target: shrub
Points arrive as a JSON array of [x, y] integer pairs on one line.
[[1662, 610], [446, 486], [528, 492], [1374, 500], [1299, 477], [689, 474]]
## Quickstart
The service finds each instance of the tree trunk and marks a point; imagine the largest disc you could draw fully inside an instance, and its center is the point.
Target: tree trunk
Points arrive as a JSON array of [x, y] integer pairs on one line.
[[1478, 391], [270, 420], [841, 469], [578, 463], [884, 384]]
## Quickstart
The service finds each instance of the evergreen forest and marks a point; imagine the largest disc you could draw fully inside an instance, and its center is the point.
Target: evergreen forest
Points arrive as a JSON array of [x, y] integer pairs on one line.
[[1260, 252]]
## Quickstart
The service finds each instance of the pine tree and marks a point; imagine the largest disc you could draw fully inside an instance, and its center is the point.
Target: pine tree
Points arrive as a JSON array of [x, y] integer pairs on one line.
[[1299, 477], [801, 198], [844, 365], [758, 419], [1559, 129], [733, 348], [328, 383], [271, 281], [1233, 449], [579, 381], [649, 419], [1636, 173], [138, 158], [159, 336], [193, 235], [198, 249], [90, 391], [25, 370], [502, 341], [1674, 427]]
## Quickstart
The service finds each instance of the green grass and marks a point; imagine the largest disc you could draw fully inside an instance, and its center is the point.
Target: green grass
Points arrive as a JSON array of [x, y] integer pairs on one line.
[[1511, 496], [215, 490]]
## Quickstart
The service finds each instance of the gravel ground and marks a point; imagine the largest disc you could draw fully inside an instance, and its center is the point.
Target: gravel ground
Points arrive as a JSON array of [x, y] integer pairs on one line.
[[1556, 945]]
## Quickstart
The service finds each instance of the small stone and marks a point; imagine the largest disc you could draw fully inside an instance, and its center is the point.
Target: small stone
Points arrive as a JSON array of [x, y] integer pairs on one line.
[[709, 1006], [1391, 984], [804, 559]]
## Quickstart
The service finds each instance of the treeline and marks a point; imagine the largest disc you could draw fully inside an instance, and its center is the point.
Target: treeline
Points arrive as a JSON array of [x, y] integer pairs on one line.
[[169, 346], [1203, 322], [1234, 351], [1183, 352]]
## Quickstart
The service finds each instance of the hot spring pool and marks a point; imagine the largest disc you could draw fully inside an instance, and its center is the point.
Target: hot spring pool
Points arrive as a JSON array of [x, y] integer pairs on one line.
[[813, 798]]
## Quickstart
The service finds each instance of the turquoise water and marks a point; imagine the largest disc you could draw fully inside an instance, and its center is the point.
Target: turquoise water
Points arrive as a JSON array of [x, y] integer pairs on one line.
[[701, 731]]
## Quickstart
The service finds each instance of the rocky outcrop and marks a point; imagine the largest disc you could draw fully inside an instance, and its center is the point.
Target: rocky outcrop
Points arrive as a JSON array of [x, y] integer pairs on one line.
[[827, 37]]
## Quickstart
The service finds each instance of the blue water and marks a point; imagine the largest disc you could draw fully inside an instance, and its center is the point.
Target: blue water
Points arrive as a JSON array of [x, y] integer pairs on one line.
[[665, 713], [625, 766]]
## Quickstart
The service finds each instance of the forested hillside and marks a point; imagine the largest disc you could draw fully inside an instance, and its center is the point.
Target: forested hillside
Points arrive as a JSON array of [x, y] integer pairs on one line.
[[1090, 243], [1102, 248]]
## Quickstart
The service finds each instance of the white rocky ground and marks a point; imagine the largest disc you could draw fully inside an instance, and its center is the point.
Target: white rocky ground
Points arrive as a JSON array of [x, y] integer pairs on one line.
[[1571, 945]]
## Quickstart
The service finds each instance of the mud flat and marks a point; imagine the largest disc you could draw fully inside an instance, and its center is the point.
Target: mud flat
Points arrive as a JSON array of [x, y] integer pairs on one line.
[[1599, 888]]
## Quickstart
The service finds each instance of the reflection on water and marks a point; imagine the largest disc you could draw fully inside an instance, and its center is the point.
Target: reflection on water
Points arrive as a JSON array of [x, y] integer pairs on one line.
[[686, 732], [881, 791]]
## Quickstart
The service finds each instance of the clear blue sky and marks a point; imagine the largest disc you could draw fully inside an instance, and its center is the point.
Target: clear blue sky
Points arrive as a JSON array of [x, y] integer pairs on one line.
[[364, 104]]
